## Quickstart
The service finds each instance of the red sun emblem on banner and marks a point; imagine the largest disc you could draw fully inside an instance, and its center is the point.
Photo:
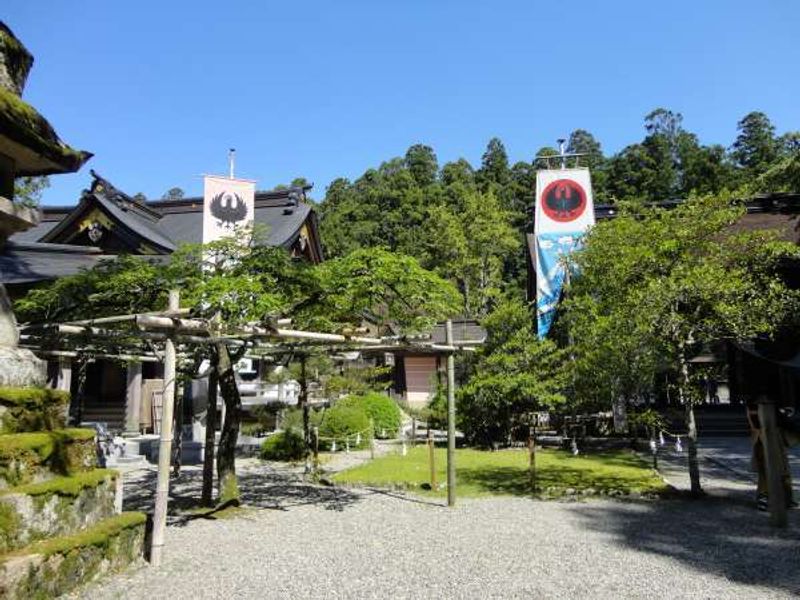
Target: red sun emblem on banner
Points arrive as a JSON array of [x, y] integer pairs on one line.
[[564, 200]]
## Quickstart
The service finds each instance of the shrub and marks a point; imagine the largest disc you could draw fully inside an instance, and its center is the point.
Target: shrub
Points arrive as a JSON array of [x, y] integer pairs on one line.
[[383, 411], [343, 423], [436, 411], [286, 445]]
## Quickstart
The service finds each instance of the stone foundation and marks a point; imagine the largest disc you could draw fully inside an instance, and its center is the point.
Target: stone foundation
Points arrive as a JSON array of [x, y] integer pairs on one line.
[[57, 566], [57, 507]]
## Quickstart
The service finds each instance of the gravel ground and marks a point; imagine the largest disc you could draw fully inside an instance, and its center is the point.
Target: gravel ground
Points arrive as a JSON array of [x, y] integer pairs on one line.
[[309, 541]]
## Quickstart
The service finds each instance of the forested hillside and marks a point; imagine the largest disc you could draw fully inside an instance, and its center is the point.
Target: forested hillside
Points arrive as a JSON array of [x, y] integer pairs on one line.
[[466, 223]]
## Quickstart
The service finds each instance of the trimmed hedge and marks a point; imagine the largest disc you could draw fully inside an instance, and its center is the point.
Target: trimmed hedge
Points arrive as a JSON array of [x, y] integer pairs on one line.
[[383, 411], [284, 446], [32, 409], [344, 423]]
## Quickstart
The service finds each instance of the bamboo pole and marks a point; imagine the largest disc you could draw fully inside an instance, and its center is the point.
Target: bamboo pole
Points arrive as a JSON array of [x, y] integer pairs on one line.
[[773, 457], [451, 418], [165, 445]]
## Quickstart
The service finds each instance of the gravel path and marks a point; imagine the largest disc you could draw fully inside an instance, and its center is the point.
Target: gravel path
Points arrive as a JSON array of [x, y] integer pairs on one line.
[[310, 541]]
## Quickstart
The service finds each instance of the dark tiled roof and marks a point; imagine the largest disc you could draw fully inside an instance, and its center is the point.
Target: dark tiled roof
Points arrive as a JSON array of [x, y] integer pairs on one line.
[[24, 262], [463, 330], [167, 223]]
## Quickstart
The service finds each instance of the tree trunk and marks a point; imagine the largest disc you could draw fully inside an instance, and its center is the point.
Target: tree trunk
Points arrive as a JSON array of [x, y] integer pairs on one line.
[[211, 430], [691, 429], [226, 461], [303, 402], [177, 437]]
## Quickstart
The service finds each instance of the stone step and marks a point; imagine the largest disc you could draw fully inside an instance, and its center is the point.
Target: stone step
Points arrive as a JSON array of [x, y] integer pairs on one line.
[[56, 566], [38, 456], [59, 506]]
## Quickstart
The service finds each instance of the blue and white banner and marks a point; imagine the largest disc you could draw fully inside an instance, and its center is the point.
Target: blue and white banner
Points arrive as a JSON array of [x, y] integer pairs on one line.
[[564, 211]]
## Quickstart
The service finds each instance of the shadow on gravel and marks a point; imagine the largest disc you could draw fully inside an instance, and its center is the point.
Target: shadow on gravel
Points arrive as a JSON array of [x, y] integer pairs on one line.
[[723, 536], [276, 490]]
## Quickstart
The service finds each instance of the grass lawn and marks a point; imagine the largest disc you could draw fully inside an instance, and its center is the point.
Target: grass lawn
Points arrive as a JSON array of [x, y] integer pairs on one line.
[[505, 472]]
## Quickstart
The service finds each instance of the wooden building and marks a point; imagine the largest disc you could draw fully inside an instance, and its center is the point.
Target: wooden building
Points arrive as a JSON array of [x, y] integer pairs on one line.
[[107, 222], [416, 375]]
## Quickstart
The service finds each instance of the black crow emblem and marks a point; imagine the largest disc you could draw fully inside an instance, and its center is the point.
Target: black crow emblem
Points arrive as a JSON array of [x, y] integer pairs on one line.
[[228, 209], [564, 200]]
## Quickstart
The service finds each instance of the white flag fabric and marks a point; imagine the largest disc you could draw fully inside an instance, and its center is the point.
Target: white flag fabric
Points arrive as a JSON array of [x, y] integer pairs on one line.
[[563, 201], [228, 205], [564, 211]]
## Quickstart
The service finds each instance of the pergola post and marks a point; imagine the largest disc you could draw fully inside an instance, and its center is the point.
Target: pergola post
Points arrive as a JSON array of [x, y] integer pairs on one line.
[[133, 397], [451, 418], [773, 460], [165, 443]]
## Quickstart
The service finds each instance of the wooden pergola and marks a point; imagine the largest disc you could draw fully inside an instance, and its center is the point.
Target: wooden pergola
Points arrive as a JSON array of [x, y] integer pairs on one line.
[[139, 336]]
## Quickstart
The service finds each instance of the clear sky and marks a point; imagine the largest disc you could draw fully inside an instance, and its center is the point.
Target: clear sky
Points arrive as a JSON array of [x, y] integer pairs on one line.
[[159, 91]]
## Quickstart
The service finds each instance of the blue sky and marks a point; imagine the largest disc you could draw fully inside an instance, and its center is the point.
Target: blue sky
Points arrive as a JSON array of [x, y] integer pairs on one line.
[[159, 91]]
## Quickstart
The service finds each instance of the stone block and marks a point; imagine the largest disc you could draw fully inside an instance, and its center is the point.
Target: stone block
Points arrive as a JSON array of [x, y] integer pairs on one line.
[[54, 567], [59, 506]]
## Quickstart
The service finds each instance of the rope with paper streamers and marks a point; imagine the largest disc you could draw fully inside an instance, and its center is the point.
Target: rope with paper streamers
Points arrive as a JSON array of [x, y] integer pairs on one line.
[[662, 442], [355, 437]]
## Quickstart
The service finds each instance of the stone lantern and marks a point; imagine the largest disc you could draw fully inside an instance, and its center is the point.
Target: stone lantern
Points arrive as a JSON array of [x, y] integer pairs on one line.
[[28, 146]]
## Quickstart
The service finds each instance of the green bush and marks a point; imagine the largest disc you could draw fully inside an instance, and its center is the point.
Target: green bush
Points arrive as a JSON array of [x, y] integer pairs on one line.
[[286, 445], [293, 419], [436, 411], [343, 423], [383, 411]]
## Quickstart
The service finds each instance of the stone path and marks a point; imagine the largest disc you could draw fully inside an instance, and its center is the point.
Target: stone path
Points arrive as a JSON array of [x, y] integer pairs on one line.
[[306, 541]]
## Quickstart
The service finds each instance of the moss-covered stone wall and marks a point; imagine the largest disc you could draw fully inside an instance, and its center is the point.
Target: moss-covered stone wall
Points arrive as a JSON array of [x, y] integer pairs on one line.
[[53, 567], [36, 456], [32, 409], [59, 506]]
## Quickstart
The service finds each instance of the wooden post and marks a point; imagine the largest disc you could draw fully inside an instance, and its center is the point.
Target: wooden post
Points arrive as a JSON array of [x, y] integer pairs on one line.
[[431, 458], [372, 439], [773, 458], [133, 397], [532, 457], [165, 444], [451, 418], [413, 432], [316, 449]]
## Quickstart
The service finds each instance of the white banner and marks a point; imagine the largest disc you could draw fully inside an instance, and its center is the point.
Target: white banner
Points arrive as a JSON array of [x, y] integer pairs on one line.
[[564, 211], [563, 201], [228, 205]]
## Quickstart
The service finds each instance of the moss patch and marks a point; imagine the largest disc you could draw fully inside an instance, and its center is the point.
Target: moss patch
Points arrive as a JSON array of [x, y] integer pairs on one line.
[[65, 486], [98, 535], [65, 451], [32, 409], [50, 568]]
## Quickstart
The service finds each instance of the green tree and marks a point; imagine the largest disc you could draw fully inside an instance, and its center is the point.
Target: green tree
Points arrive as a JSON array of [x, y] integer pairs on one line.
[[494, 165], [174, 193], [422, 163], [469, 244], [582, 142], [28, 190], [675, 281], [755, 148], [516, 374]]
